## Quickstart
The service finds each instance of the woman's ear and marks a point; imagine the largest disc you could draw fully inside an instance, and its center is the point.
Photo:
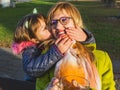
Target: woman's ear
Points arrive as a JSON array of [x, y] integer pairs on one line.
[[34, 40]]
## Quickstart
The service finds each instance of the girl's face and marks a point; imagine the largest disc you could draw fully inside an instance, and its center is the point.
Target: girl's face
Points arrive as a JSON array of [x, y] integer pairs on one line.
[[60, 22], [42, 32]]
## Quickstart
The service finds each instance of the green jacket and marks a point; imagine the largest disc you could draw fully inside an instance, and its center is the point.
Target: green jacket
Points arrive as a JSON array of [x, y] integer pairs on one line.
[[105, 70], [103, 64]]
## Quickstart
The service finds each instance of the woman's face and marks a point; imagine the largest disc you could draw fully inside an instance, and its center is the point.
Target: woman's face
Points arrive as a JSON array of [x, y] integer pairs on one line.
[[42, 32], [60, 22]]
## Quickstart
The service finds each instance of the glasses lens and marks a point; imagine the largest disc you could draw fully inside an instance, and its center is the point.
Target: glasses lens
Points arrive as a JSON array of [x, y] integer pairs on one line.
[[64, 20], [54, 22]]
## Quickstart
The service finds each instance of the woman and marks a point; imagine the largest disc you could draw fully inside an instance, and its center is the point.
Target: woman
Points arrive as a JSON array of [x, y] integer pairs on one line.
[[65, 18]]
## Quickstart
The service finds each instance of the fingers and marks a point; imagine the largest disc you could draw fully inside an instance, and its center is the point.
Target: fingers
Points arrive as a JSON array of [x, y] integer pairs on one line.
[[72, 33], [55, 81], [78, 85], [54, 84], [58, 40], [65, 40], [63, 44], [62, 38], [76, 34], [62, 41]]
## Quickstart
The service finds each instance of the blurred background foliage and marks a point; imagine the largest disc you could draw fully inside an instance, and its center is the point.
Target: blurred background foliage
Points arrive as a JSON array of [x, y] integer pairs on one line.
[[102, 20]]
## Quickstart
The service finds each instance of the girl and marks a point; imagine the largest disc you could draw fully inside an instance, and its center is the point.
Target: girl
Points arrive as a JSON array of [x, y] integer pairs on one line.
[[31, 31]]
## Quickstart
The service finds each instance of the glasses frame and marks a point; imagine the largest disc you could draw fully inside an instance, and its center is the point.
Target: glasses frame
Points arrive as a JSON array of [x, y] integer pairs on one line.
[[60, 20]]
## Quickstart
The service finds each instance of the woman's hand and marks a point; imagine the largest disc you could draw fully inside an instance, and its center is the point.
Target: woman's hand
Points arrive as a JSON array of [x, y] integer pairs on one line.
[[76, 34]]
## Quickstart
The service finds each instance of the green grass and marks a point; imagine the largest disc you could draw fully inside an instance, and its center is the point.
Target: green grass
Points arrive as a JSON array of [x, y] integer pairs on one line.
[[10, 17], [95, 16]]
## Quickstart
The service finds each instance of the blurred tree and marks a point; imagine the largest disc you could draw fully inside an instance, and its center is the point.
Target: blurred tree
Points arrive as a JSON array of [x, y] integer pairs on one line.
[[12, 3], [109, 3]]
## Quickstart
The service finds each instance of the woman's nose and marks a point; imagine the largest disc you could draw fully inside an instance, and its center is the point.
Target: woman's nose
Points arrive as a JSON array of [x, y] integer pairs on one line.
[[60, 27]]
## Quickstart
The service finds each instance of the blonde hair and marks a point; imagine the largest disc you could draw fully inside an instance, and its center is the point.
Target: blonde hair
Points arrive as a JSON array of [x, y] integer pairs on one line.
[[27, 27], [70, 9]]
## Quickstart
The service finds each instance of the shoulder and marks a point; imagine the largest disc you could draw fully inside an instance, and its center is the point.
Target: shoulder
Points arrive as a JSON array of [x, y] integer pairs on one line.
[[30, 49], [33, 50]]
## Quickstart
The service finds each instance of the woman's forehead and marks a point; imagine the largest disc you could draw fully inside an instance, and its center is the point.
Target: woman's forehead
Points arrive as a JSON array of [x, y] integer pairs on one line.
[[59, 14]]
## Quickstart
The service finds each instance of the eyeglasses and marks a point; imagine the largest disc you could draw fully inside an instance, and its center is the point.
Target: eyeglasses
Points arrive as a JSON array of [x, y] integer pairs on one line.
[[62, 20]]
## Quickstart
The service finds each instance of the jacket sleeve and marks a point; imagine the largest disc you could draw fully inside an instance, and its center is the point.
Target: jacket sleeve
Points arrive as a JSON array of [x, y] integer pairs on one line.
[[105, 69], [36, 64], [108, 82]]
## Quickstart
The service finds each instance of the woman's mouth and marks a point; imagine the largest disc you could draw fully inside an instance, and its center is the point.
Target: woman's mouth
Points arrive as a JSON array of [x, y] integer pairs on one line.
[[60, 34]]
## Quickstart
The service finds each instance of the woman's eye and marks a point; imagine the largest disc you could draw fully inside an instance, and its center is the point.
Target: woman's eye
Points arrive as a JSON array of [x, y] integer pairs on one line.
[[64, 19], [54, 22]]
